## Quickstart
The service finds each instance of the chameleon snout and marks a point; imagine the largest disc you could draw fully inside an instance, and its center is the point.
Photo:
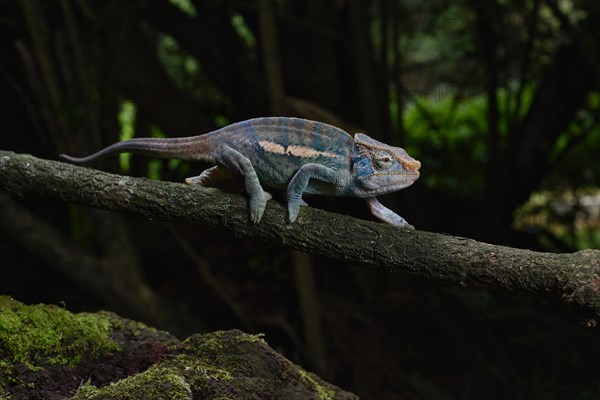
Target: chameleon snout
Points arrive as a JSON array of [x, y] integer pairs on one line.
[[412, 166]]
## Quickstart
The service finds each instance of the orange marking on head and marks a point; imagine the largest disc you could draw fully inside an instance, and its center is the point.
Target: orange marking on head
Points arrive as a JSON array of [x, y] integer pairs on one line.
[[411, 165]]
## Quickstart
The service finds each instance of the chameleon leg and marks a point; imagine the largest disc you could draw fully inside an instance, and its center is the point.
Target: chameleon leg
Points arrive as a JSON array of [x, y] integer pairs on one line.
[[236, 161], [300, 180], [384, 214]]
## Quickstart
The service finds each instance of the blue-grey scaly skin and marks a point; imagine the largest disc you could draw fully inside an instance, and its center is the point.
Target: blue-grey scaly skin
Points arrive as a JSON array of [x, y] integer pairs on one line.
[[291, 154]]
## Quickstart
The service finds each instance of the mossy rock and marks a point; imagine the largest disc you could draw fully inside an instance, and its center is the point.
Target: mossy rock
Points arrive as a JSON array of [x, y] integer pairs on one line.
[[220, 365], [48, 353]]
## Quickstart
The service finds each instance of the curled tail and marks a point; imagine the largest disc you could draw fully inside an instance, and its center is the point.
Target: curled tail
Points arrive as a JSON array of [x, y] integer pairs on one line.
[[193, 148]]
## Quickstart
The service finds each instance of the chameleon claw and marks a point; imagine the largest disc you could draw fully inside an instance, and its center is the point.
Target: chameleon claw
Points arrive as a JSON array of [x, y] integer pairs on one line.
[[194, 180], [256, 213], [294, 208], [293, 211], [258, 205], [204, 177]]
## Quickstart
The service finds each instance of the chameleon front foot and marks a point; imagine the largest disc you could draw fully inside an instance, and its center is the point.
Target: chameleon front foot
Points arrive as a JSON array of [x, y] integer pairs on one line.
[[386, 215]]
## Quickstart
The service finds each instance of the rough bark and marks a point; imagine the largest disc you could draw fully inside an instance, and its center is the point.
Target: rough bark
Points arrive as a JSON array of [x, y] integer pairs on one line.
[[572, 278]]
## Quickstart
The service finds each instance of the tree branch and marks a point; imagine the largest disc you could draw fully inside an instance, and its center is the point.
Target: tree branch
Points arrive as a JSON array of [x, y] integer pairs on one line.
[[572, 278]]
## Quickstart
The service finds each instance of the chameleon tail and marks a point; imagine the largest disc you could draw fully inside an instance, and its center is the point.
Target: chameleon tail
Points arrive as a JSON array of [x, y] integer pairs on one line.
[[193, 148]]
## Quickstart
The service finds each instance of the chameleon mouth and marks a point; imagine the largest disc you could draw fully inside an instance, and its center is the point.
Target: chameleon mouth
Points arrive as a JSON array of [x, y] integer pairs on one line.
[[401, 173]]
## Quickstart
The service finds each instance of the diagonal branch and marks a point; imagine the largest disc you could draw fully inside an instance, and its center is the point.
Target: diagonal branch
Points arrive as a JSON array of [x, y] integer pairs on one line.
[[572, 278], [115, 276]]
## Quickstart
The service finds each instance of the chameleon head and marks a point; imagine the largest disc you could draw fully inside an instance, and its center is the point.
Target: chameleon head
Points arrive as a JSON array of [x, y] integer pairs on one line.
[[379, 168]]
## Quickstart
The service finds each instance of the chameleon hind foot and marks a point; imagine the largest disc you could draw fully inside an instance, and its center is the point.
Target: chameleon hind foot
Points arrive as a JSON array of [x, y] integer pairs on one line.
[[257, 205], [212, 177], [294, 208]]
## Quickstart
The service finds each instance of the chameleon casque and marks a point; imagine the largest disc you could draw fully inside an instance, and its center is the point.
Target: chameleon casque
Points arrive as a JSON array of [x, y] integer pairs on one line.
[[291, 154]]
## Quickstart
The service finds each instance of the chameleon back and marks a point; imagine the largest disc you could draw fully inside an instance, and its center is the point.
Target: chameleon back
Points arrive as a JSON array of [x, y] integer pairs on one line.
[[277, 147]]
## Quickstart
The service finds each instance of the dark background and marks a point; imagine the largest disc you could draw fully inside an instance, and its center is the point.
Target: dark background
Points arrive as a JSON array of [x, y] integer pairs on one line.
[[499, 100]]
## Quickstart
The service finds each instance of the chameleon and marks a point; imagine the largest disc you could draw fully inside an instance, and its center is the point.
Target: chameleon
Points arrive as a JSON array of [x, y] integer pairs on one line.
[[293, 155]]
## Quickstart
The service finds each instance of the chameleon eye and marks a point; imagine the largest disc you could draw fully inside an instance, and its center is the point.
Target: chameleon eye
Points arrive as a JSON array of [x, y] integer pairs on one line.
[[383, 159]]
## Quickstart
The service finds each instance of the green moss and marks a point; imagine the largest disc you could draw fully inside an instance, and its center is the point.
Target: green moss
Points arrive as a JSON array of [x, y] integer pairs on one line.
[[87, 390], [245, 337], [324, 393], [203, 367], [173, 379], [212, 342], [37, 335], [217, 366]]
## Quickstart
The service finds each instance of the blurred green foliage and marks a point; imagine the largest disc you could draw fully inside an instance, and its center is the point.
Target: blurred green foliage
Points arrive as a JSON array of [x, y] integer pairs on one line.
[[126, 118], [449, 132]]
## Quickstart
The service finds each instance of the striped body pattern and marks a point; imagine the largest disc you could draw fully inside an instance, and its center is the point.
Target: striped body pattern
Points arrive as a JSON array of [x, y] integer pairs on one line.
[[279, 147], [291, 154]]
